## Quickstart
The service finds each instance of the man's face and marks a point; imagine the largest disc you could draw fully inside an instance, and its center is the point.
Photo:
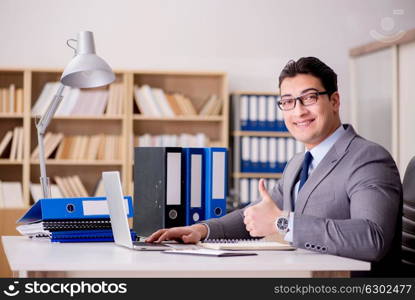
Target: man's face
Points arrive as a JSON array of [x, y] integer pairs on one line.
[[310, 124]]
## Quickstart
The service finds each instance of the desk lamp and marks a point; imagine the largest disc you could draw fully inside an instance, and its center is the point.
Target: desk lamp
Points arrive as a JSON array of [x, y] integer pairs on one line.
[[85, 70]]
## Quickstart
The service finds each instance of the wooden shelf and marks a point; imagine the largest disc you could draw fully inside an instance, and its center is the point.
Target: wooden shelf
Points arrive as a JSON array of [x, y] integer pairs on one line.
[[92, 118], [179, 118], [61, 162], [15, 208], [261, 133], [5, 161], [257, 175], [11, 116], [248, 93]]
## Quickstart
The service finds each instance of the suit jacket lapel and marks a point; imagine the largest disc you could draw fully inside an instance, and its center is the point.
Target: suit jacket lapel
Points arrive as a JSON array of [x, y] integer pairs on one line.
[[324, 168]]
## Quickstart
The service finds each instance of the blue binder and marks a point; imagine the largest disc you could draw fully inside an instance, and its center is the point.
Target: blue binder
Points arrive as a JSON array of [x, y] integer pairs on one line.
[[70, 208], [194, 184], [216, 164]]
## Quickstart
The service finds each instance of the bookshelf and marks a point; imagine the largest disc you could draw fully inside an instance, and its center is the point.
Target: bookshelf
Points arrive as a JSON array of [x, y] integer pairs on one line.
[[126, 123], [198, 87], [254, 125]]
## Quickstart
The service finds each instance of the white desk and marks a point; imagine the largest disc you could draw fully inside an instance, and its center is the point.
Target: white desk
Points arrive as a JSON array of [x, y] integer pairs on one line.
[[32, 258]]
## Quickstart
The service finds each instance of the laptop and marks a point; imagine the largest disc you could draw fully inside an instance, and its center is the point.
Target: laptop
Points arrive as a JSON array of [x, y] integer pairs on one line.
[[118, 215]]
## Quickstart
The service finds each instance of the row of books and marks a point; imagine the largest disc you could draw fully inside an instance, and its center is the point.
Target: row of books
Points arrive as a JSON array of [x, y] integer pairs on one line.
[[11, 194], [260, 113], [155, 102], [171, 140], [249, 191], [11, 146], [87, 102], [66, 187], [267, 154], [11, 99], [81, 147]]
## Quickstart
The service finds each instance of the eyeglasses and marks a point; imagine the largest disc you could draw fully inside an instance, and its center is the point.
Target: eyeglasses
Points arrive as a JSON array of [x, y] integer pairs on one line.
[[310, 98]]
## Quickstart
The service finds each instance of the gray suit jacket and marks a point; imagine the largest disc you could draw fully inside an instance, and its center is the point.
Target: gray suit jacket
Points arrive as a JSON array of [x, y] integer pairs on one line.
[[349, 206]]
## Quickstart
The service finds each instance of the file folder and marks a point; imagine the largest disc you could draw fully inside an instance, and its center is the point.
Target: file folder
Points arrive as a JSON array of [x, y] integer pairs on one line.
[[263, 154], [244, 112], [281, 155], [255, 167], [253, 113], [262, 113], [245, 154], [272, 145], [280, 120], [271, 114], [195, 187], [71, 208], [158, 189], [216, 182]]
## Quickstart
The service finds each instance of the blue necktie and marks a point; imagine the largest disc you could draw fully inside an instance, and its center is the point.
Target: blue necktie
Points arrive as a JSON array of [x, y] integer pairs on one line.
[[304, 170]]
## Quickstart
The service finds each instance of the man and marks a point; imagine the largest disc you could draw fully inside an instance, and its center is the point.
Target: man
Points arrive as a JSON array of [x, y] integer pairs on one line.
[[342, 196]]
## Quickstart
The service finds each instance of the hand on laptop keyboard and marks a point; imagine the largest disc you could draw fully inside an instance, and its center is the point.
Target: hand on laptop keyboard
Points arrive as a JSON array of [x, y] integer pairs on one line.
[[187, 234]]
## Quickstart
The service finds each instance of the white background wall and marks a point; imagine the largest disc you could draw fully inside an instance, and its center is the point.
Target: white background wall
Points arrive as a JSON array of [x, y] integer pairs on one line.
[[250, 39]]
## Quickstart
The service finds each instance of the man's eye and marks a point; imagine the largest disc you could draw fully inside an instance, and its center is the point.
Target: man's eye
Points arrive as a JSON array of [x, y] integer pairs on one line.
[[287, 102], [310, 97]]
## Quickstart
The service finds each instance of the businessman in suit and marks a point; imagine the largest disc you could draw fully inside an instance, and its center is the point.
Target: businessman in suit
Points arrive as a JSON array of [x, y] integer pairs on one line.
[[342, 196]]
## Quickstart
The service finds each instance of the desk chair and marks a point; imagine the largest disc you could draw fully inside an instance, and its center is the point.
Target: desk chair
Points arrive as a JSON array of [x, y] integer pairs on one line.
[[408, 220]]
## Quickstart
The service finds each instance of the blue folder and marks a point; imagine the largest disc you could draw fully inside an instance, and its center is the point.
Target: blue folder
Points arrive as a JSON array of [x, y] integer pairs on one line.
[[216, 163], [194, 184], [70, 208]]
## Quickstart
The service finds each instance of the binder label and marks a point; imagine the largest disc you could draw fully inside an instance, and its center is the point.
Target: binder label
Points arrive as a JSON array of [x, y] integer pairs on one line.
[[92, 208], [218, 176], [174, 167], [196, 180]]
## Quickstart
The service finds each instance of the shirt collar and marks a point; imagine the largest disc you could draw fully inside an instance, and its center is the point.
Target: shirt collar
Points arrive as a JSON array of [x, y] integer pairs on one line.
[[318, 152]]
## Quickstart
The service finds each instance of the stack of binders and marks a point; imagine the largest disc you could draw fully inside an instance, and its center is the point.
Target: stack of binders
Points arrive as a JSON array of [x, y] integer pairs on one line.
[[176, 186], [69, 220], [260, 113]]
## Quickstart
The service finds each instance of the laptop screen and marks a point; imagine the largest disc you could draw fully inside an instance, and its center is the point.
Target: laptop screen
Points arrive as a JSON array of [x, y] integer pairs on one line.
[[117, 209]]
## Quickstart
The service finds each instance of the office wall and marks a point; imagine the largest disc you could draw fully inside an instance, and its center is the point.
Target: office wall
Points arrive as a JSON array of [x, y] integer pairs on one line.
[[250, 39]]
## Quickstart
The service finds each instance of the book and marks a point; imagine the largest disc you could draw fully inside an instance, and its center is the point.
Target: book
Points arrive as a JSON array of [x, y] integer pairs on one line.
[[208, 252], [19, 101], [5, 141], [250, 244], [12, 194], [162, 102], [15, 141], [1, 195], [174, 105], [37, 193], [19, 155]]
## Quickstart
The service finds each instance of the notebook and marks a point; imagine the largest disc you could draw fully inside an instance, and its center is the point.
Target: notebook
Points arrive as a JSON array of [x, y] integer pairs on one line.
[[235, 244], [208, 252]]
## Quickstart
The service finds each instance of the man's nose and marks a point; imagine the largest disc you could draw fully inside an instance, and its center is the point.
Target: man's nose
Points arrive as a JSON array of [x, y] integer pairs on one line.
[[299, 109]]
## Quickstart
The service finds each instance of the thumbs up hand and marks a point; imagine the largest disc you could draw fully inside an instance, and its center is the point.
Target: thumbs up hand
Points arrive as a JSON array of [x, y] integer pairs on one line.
[[260, 218]]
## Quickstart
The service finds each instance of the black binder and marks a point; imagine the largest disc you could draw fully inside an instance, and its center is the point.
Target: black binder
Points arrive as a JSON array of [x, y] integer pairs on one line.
[[159, 189]]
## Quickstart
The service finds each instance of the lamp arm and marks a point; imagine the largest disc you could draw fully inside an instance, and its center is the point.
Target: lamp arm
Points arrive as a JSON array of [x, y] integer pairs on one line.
[[41, 126]]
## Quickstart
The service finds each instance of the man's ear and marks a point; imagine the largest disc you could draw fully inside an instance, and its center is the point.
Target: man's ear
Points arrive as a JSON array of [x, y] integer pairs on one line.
[[335, 101]]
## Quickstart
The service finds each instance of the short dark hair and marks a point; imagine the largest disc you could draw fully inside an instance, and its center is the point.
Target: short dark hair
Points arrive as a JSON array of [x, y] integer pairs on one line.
[[314, 67]]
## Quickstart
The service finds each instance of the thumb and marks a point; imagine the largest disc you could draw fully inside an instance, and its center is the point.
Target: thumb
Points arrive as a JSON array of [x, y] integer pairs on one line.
[[263, 191]]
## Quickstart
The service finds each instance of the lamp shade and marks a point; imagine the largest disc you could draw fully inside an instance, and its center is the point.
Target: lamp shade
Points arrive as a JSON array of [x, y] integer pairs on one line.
[[86, 69]]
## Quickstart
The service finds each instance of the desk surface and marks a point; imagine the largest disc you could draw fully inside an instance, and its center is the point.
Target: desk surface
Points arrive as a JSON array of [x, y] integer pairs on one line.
[[24, 254]]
